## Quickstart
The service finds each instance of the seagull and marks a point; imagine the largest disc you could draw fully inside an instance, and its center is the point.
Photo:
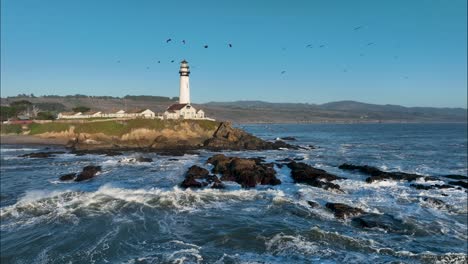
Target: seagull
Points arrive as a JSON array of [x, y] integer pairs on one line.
[[206, 46], [357, 28], [118, 61], [230, 45], [361, 55], [283, 72], [159, 61], [168, 40], [183, 41], [309, 46], [370, 43], [147, 68], [172, 61], [321, 46]]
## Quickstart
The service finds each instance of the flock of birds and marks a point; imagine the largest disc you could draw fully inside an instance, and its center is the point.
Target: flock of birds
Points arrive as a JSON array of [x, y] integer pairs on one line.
[[229, 45]]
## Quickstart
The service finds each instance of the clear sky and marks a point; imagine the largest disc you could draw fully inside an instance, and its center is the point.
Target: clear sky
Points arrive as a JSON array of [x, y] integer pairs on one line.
[[412, 53]]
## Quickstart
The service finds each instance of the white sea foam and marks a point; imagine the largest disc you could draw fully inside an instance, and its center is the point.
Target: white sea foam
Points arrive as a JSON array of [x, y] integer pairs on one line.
[[40, 205]]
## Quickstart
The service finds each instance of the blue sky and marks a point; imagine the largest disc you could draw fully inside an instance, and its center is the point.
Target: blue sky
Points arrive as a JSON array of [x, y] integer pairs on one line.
[[418, 56]]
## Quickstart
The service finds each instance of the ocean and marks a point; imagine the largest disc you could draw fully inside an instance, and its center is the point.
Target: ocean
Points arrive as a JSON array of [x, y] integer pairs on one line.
[[136, 213]]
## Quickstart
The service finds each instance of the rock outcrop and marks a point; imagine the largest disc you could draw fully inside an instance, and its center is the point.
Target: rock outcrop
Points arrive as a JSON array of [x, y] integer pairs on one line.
[[197, 177], [343, 211], [41, 154], [227, 137], [248, 172], [304, 173], [378, 175], [88, 173]]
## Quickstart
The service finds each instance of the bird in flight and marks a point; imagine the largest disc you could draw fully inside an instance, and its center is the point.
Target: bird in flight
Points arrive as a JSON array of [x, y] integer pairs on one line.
[[172, 61], [230, 45], [159, 61], [370, 43], [147, 68], [321, 46], [206, 46], [183, 41], [118, 61], [283, 72], [309, 46], [357, 28], [168, 40]]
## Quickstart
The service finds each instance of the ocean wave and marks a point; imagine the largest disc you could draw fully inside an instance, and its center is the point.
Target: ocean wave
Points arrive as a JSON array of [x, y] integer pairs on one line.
[[45, 205], [16, 149]]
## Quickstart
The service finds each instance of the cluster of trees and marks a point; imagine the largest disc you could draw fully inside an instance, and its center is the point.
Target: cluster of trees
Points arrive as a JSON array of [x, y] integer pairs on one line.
[[81, 109], [130, 97], [151, 98], [26, 108]]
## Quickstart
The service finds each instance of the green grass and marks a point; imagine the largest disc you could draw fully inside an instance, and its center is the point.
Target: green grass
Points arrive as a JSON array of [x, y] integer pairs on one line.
[[36, 128], [111, 127], [10, 129]]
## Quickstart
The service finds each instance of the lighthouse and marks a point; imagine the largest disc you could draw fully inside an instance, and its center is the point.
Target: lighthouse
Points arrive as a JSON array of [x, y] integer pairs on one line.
[[184, 96], [184, 110]]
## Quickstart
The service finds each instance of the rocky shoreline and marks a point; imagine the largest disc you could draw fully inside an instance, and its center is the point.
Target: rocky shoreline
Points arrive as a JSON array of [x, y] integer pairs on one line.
[[220, 169], [172, 142]]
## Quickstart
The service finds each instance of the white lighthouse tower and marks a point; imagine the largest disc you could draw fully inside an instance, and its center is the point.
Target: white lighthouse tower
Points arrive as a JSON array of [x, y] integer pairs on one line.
[[184, 110], [184, 96]]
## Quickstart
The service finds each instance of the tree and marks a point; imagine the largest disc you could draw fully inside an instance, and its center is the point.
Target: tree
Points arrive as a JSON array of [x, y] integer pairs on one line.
[[7, 112], [81, 109], [45, 116]]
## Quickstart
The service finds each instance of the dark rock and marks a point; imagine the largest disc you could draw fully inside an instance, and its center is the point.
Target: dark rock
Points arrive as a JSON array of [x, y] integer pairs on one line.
[[67, 177], [460, 183], [144, 159], [373, 171], [197, 177], [456, 177], [298, 158], [428, 187], [385, 221], [304, 173], [434, 202], [173, 159], [284, 160], [88, 173], [279, 165], [197, 172], [378, 175], [313, 204], [227, 137], [246, 172], [177, 152], [288, 138], [41, 154], [343, 211], [106, 152]]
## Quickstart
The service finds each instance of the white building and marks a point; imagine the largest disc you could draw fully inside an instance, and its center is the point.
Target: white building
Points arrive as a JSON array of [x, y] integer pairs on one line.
[[184, 110], [70, 115], [143, 113]]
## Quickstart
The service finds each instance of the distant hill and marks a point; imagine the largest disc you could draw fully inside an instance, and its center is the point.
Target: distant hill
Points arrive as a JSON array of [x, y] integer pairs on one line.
[[259, 111]]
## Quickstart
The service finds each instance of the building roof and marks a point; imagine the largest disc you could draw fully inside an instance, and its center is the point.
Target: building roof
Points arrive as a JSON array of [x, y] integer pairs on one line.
[[91, 112], [175, 107], [138, 111], [70, 113]]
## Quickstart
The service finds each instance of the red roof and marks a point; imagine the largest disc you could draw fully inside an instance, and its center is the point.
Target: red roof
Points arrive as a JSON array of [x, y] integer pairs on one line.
[[176, 107]]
